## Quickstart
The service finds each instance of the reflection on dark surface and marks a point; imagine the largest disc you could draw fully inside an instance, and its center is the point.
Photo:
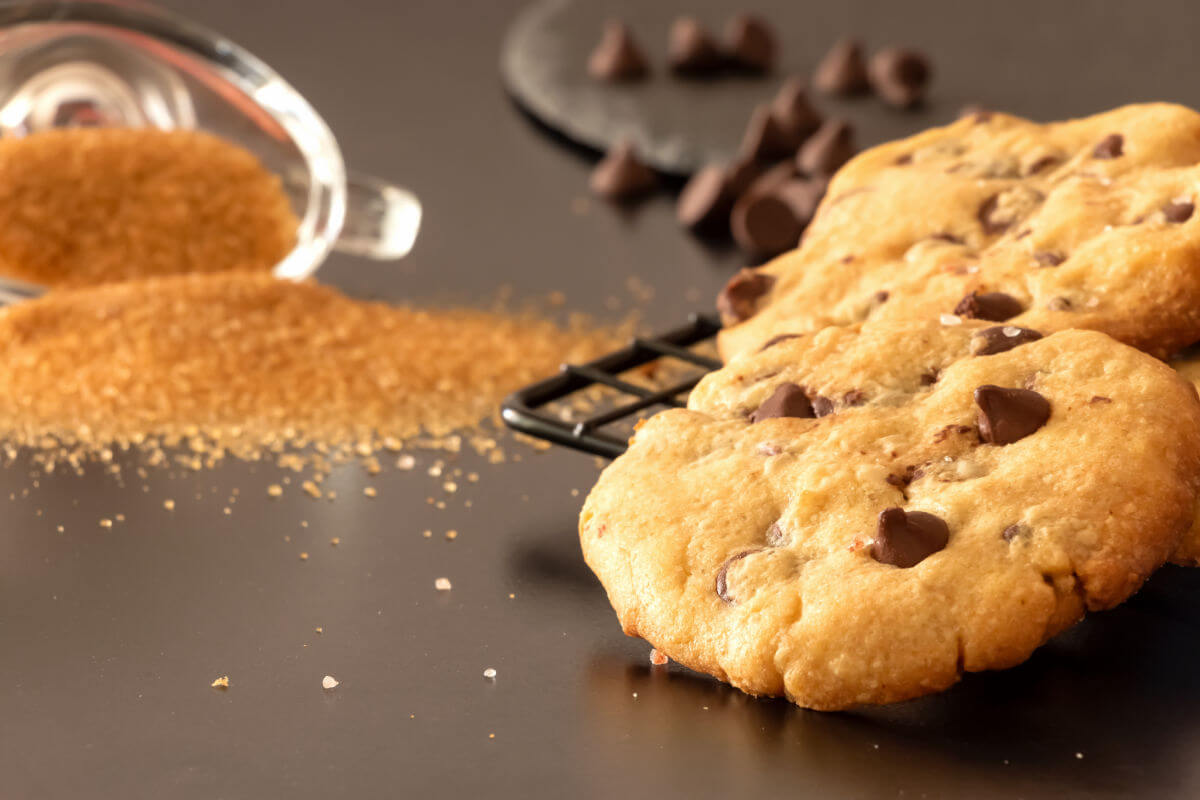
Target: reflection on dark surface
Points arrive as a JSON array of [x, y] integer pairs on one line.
[[1001, 733]]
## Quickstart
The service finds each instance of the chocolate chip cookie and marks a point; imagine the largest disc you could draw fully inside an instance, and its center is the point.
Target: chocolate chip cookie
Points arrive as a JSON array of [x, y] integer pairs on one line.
[[1188, 552], [862, 514], [1088, 223]]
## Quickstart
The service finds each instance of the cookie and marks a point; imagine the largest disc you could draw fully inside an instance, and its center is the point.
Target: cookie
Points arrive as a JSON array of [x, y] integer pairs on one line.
[[1080, 224], [862, 514], [1188, 552]]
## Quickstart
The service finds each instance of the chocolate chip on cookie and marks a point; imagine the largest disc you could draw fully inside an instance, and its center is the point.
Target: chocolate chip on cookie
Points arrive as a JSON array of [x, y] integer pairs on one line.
[[1012, 532], [738, 300], [722, 581], [906, 538], [1048, 258], [1111, 146], [1178, 210], [843, 70], [691, 50], [1001, 339], [991, 306], [1009, 415], [617, 57], [788, 400]]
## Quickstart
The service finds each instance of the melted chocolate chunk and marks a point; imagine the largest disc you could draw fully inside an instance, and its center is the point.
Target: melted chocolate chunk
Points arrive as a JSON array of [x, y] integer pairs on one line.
[[992, 306], [1179, 210], [691, 50], [822, 406], [1111, 146], [788, 400], [930, 376], [1003, 338], [617, 57], [905, 539], [1048, 258], [739, 299], [722, 581], [993, 222], [843, 70], [1009, 415]]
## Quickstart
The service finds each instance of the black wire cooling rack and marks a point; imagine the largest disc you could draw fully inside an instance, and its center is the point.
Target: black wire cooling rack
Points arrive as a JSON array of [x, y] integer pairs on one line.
[[529, 410]]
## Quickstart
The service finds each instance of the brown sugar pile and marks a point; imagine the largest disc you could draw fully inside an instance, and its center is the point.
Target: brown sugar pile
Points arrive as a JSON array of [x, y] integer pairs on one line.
[[243, 363], [82, 206]]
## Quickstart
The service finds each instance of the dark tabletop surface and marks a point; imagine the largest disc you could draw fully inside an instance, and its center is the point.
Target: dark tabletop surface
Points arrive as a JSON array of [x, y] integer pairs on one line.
[[109, 638]]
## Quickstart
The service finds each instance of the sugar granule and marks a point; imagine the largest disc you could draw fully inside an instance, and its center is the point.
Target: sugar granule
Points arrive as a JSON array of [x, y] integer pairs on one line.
[[82, 206]]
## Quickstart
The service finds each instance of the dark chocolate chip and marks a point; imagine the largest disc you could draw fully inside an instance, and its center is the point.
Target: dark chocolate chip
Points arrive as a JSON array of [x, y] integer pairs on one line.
[[905, 539], [822, 406], [992, 222], [782, 337], [843, 70], [764, 224], [722, 582], [617, 57], [738, 301], [880, 297], [793, 111], [854, 397], [827, 149], [705, 202], [766, 139], [750, 43], [788, 400], [1008, 415], [1111, 146], [1048, 258], [930, 376], [777, 536], [691, 50], [621, 175], [1179, 210], [900, 76], [803, 195], [903, 160], [741, 175], [992, 306], [1002, 338], [1012, 532]]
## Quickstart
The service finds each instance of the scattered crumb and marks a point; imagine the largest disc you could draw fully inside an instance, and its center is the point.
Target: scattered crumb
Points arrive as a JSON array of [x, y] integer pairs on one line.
[[319, 630], [106, 523], [369, 491], [451, 534], [405, 462], [442, 584], [491, 736], [221, 682], [657, 657], [335, 541], [304, 556], [275, 490], [169, 504], [329, 682], [427, 534], [490, 674], [1079, 755], [512, 596]]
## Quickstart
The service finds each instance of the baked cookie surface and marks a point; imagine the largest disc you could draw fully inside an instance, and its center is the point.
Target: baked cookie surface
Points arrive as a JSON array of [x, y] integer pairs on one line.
[[1087, 223], [1187, 554], [860, 515]]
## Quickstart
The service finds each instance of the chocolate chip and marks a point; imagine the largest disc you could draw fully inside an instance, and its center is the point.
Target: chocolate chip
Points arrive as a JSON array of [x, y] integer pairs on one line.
[[879, 298], [621, 175], [782, 337], [1002, 338], [905, 539], [764, 224], [822, 406], [827, 149], [992, 222], [992, 306], [767, 181], [930, 376], [750, 43], [1012, 532], [793, 111], [1008, 415], [1178, 210], [803, 195], [899, 76], [843, 70], [903, 160], [741, 174], [705, 202], [738, 300], [766, 139], [788, 400], [854, 397], [691, 50], [722, 582], [1111, 146], [617, 57], [1048, 258], [777, 536]]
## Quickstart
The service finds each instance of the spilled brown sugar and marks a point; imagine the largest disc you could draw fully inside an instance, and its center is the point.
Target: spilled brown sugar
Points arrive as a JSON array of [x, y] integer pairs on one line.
[[81, 206], [191, 368]]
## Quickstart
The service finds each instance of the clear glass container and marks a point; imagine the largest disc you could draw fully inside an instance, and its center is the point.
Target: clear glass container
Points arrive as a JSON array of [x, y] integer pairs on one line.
[[103, 62]]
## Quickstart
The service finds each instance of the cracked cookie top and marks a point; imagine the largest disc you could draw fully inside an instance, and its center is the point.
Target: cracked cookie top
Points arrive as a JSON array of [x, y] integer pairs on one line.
[[1087, 223], [861, 514]]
